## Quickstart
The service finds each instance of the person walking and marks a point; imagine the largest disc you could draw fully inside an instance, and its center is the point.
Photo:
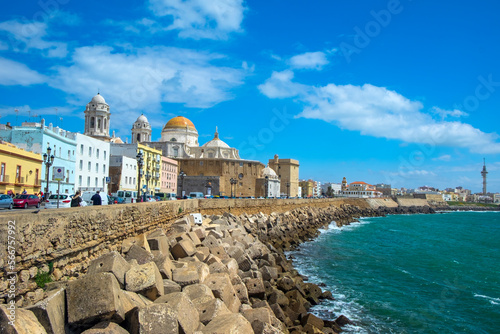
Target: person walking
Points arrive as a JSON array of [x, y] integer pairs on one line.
[[76, 200], [96, 199]]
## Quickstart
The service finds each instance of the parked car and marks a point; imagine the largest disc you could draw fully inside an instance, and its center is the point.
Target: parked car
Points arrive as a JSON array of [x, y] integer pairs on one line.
[[23, 201], [6, 202], [87, 195], [166, 196], [64, 201], [116, 200], [150, 198]]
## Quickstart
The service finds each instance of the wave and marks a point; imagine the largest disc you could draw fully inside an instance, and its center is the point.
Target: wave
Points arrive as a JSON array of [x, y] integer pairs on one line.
[[492, 300]]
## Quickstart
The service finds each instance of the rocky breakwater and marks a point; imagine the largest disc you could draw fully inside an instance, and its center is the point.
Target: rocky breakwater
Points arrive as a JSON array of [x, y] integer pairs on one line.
[[226, 275]]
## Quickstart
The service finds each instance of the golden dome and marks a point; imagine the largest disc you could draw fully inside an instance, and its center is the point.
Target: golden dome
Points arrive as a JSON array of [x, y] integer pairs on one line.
[[179, 122]]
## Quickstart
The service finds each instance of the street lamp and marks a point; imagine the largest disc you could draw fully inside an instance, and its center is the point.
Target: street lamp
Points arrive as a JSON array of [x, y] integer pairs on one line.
[[148, 177], [140, 162], [182, 175], [233, 182], [48, 160]]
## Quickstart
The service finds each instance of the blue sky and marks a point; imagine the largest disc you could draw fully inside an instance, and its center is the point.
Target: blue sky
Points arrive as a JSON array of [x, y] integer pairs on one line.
[[402, 92]]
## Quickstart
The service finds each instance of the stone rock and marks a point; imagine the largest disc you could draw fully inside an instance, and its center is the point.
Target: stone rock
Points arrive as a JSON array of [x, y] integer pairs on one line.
[[269, 273], [278, 297], [210, 241], [255, 288], [219, 252], [130, 300], [51, 312], [139, 254], [106, 327], [25, 322], [139, 240], [217, 268], [158, 244], [165, 265], [92, 299], [232, 267], [194, 237], [183, 248], [210, 309], [221, 286], [241, 292], [187, 315], [234, 323], [154, 319], [285, 283], [343, 320], [198, 293], [312, 320], [185, 276], [170, 286], [244, 262], [111, 262], [145, 279]]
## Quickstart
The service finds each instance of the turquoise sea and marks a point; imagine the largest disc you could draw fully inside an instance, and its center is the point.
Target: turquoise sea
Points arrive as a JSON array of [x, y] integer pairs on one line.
[[436, 273]]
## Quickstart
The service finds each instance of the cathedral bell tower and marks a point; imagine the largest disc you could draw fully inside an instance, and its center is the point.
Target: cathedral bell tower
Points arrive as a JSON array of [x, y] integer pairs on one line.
[[97, 118]]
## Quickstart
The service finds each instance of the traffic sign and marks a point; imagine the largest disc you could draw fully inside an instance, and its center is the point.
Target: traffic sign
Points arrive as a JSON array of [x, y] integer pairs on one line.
[[58, 173]]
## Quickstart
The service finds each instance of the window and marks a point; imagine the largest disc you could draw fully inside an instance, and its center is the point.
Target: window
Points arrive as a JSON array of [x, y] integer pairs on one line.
[[69, 154], [96, 182], [81, 164], [104, 154], [97, 153], [18, 174], [97, 168], [126, 179], [104, 123], [104, 169], [36, 176], [99, 123], [60, 156], [80, 180], [81, 149], [90, 166], [134, 180], [88, 181], [90, 151], [2, 172]]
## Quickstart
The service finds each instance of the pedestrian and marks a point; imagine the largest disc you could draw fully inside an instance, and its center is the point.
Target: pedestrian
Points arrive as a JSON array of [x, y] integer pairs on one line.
[[24, 191], [96, 199], [76, 200]]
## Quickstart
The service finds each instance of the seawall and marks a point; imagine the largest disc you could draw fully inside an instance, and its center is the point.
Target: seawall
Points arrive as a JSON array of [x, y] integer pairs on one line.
[[70, 238]]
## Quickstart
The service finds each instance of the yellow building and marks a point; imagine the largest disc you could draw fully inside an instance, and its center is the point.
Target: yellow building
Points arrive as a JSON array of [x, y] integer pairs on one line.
[[150, 172], [307, 188], [19, 169]]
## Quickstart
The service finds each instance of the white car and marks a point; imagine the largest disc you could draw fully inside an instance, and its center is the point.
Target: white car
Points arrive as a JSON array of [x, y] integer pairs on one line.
[[64, 201]]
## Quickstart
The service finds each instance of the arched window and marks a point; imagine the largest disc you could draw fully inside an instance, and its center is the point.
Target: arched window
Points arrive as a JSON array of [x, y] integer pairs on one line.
[[173, 139], [92, 122], [99, 123], [176, 151], [138, 137], [105, 123]]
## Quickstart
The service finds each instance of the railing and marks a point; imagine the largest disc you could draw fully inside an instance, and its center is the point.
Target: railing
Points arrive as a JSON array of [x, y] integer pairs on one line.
[[4, 178], [19, 180]]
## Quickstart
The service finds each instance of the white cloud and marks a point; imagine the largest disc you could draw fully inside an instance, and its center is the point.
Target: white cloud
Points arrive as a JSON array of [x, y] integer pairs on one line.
[[445, 157], [416, 172], [309, 60], [379, 112], [197, 19], [445, 113], [26, 36], [148, 77], [14, 73]]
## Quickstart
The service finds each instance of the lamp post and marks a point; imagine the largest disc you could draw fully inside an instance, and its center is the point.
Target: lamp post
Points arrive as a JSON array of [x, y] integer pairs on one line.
[[140, 162], [233, 182], [182, 175], [288, 189], [48, 160], [266, 190], [148, 177]]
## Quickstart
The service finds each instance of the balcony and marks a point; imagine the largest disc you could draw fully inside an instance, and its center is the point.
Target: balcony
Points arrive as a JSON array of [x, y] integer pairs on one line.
[[19, 180], [4, 178]]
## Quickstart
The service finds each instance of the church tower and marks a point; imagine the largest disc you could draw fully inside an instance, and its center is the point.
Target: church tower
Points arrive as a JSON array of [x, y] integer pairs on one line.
[[141, 130], [344, 184], [483, 174], [97, 118]]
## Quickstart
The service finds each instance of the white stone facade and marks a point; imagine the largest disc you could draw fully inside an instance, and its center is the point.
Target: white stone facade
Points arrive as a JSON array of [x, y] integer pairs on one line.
[[92, 163], [97, 117], [128, 172]]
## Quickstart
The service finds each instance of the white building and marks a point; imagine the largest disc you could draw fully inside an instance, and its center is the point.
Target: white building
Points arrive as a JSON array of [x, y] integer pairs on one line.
[[272, 181], [92, 164], [124, 176]]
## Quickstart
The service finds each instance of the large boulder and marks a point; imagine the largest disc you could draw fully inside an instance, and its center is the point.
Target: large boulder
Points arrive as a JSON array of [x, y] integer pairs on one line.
[[25, 322], [221, 286], [111, 262], [187, 315], [92, 299], [234, 323], [153, 319], [210, 309], [145, 279], [106, 327], [51, 312]]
